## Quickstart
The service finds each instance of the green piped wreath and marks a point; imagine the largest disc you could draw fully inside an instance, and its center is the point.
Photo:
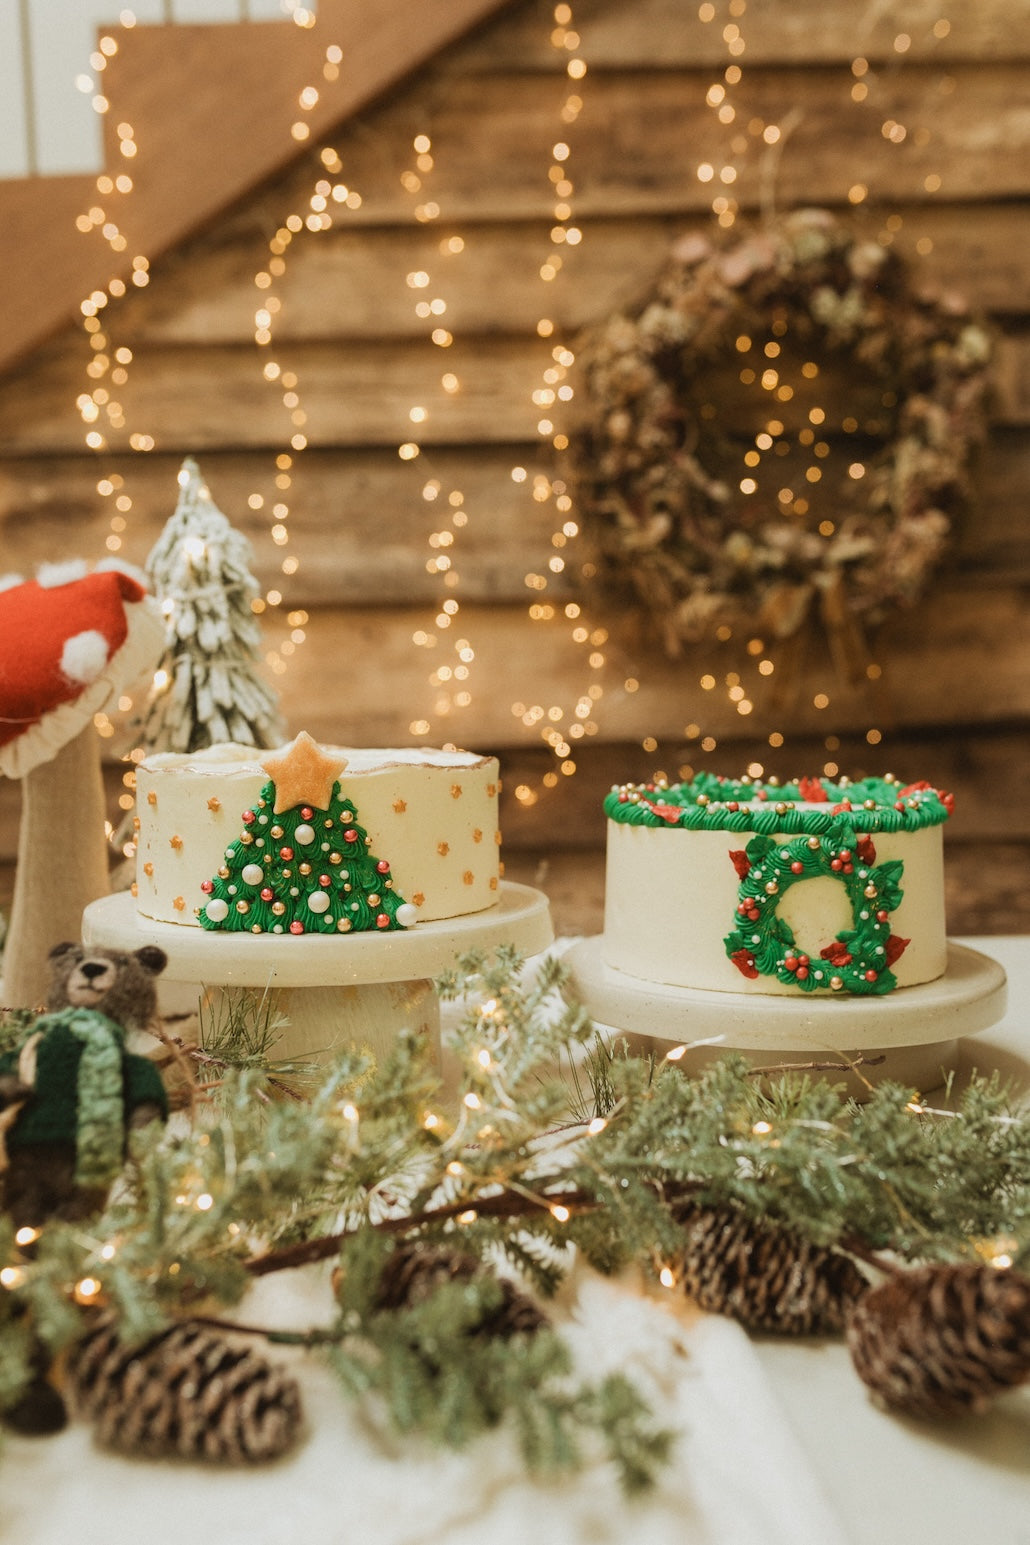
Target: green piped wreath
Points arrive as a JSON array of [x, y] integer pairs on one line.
[[763, 943]]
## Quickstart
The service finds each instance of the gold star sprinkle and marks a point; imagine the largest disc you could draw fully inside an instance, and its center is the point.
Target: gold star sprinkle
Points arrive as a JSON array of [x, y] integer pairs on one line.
[[175, 842], [303, 774], [455, 790], [477, 835], [179, 903], [133, 888], [443, 848], [148, 869], [214, 803], [419, 898], [493, 882], [151, 798], [135, 823], [400, 805], [468, 877], [491, 790]]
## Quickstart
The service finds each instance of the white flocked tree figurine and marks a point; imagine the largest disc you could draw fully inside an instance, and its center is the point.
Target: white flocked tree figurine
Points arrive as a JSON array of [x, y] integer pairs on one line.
[[207, 687]]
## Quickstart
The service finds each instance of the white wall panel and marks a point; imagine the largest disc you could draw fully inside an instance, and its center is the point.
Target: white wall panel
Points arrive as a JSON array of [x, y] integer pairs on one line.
[[48, 125], [14, 120]]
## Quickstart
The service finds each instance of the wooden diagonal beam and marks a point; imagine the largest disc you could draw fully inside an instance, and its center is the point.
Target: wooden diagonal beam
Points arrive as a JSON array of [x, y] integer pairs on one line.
[[211, 111]]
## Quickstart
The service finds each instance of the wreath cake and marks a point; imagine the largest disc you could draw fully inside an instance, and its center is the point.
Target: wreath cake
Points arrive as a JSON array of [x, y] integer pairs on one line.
[[834, 888], [315, 839]]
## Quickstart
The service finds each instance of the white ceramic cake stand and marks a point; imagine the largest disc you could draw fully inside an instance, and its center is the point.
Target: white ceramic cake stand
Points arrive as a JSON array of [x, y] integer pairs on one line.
[[359, 990], [910, 1035]]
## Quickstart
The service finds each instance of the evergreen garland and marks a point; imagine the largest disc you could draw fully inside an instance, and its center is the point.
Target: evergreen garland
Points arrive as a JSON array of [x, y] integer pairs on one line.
[[552, 1138]]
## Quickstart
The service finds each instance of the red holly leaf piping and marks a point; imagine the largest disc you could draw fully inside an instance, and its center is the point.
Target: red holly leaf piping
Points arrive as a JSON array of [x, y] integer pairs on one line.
[[895, 947], [745, 963], [812, 791], [740, 862], [837, 953], [670, 813], [866, 850]]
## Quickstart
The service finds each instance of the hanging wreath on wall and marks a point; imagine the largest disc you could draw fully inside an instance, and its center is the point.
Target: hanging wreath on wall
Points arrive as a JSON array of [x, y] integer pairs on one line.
[[780, 430]]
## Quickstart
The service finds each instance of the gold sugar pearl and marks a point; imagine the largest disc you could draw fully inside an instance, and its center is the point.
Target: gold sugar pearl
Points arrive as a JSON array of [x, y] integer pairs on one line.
[[277, 831]]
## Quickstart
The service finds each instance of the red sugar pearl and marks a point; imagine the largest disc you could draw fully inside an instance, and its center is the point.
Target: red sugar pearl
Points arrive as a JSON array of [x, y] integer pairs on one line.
[[267, 895], [382, 921], [286, 853], [207, 886], [296, 927], [382, 867], [350, 835]]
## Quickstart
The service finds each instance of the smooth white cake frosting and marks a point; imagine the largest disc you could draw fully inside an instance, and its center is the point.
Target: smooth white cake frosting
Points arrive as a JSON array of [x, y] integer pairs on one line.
[[670, 899], [432, 814], [767, 889]]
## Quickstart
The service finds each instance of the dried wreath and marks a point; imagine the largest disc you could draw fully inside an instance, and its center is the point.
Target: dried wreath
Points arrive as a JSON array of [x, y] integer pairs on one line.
[[781, 429]]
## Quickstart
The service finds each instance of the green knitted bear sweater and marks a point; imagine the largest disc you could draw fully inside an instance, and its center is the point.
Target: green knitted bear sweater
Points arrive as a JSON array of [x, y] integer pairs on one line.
[[86, 1087]]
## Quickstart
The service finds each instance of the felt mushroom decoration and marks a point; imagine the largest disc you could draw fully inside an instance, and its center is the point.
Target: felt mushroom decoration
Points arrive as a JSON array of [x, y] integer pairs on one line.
[[71, 641]]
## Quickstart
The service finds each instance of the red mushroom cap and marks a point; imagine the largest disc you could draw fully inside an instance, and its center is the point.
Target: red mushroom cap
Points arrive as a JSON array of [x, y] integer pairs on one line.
[[69, 642]]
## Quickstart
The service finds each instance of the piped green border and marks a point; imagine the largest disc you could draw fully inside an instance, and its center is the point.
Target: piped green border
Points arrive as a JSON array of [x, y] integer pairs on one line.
[[713, 803]]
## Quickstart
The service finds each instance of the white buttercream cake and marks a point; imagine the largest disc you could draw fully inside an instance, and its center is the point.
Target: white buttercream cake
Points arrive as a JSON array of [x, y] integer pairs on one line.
[[746, 886], [315, 838]]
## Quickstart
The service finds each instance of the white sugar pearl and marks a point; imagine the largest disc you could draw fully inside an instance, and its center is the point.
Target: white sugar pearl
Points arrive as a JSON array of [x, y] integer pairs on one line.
[[407, 915], [253, 874], [217, 910], [318, 901], [304, 834]]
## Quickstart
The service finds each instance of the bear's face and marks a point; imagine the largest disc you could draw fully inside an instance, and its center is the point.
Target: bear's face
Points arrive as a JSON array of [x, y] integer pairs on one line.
[[114, 982]]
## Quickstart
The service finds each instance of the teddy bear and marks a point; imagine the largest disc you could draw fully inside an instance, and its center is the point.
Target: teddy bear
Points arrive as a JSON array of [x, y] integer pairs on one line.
[[69, 1096], [71, 1092]]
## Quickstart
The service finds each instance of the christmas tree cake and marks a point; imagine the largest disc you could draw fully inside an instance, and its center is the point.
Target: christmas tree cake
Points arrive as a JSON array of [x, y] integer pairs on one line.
[[315, 839], [745, 886]]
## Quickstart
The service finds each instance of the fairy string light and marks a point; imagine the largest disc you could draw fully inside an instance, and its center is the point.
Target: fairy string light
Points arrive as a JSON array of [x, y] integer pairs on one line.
[[561, 726], [100, 406], [449, 681]]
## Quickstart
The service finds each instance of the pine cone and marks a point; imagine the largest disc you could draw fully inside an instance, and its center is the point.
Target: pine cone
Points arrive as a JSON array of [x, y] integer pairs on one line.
[[188, 1392], [942, 1340], [769, 1278], [413, 1271]]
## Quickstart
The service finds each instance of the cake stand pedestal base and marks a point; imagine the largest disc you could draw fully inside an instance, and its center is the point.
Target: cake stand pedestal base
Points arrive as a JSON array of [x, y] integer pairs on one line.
[[909, 1036], [358, 991]]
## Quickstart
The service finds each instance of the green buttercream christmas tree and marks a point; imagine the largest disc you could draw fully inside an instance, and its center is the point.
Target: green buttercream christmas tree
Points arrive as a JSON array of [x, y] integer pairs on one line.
[[302, 863]]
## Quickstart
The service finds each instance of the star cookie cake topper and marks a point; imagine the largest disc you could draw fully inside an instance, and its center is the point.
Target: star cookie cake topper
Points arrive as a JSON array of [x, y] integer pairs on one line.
[[303, 774]]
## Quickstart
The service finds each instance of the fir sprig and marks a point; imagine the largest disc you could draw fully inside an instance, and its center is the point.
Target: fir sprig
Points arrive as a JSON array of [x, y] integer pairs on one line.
[[514, 1159]]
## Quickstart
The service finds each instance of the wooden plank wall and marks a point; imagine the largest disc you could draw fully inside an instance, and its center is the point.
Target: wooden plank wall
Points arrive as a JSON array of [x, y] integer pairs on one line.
[[952, 701]]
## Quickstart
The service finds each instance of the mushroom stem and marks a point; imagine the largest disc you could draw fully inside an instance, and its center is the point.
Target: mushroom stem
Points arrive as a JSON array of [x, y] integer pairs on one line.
[[62, 863]]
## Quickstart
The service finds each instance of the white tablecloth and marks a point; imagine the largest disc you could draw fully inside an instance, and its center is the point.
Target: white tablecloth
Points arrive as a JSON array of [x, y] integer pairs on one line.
[[779, 1444]]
